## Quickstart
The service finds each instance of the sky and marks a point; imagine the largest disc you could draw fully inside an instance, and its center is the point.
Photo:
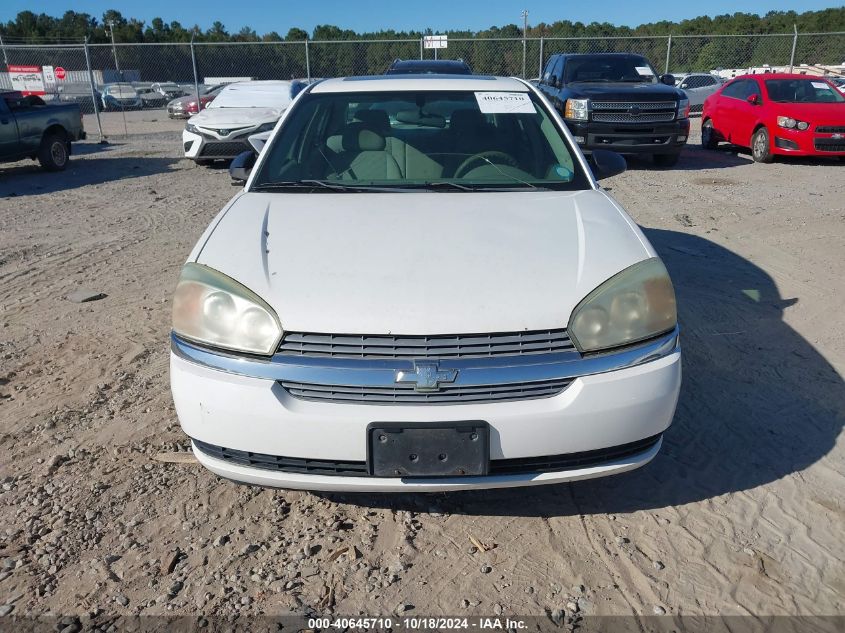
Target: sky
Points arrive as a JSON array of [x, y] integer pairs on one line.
[[401, 15]]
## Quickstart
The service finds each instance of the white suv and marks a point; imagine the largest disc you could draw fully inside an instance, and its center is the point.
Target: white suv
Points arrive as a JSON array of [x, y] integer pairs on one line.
[[241, 109], [422, 287]]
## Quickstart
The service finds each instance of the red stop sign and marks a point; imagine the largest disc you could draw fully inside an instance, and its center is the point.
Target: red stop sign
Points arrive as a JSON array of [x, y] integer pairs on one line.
[[60, 72]]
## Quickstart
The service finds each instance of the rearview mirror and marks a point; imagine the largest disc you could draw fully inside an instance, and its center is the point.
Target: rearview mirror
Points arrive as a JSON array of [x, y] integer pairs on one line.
[[752, 99], [605, 163], [553, 80], [241, 166], [667, 79]]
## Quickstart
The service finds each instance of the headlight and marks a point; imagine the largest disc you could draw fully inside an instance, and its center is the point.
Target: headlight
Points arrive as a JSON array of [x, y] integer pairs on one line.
[[683, 109], [211, 308], [267, 127], [576, 109], [634, 305], [190, 127], [802, 125]]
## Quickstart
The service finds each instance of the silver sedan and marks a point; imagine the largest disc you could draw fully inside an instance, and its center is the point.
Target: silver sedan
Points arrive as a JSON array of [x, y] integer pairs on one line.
[[698, 87]]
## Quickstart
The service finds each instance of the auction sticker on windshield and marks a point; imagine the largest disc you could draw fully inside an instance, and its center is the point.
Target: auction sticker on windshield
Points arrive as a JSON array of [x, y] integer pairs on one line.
[[504, 103], [820, 85], [644, 70]]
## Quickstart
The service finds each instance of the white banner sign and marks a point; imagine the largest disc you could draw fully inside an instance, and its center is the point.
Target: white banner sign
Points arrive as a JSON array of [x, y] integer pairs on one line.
[[435, 41], [27, 79]]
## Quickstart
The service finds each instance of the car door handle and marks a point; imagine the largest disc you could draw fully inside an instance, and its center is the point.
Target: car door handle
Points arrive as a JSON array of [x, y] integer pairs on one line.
[[4, 121]]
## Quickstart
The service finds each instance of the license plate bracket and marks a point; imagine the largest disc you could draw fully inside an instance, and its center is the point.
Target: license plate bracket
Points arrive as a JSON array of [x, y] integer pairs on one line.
[[441, 449]]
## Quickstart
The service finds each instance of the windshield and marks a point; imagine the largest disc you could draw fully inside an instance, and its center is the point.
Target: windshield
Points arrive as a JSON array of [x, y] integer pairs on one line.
[[802, 91], [609, 68], [252, 96], [452, 141]]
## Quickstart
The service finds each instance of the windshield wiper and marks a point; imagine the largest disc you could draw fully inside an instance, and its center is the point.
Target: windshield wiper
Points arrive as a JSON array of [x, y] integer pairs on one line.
[[311, 183], [448, 185]]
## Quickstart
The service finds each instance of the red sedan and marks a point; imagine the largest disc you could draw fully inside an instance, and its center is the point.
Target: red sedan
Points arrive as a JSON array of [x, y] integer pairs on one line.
[[776, 114]]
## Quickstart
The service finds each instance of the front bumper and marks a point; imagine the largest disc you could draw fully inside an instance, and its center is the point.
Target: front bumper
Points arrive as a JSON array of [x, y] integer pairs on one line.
[[791, 142], [239, 404], [200, 147], [654, 138]]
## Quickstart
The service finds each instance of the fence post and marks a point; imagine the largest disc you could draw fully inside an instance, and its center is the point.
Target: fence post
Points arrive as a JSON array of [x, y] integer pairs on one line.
[[421, 48], [668, 54], [307, 61], [93, 90], [196, 78], [794, 46], [540, 73], [3, 46]]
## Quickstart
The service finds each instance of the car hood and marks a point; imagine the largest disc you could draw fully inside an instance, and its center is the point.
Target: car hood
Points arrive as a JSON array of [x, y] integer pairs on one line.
[[433, 263], [232, 117], [625, 91]]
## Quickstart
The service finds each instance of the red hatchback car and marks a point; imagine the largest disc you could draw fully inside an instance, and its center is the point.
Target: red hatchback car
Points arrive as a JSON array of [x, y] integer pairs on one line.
[[776, 114]]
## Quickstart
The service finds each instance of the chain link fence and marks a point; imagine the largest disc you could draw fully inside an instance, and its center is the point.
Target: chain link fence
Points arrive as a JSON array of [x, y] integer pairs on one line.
[[108, 81]]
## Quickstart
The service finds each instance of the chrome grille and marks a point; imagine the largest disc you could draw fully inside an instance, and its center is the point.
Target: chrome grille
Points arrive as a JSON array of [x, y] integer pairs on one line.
[[624, 117], [634, 111], [436, 346], [405, 394]]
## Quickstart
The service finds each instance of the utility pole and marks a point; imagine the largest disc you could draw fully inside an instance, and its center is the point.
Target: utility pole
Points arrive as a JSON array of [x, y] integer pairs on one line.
[[524, 40], [114, 48]]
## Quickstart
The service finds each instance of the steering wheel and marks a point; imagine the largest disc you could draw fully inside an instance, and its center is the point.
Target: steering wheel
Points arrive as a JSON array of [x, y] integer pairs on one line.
[[484, 158]]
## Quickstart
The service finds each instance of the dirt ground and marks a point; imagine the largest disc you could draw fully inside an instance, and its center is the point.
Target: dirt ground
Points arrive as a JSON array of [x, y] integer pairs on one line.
[[741, 513]]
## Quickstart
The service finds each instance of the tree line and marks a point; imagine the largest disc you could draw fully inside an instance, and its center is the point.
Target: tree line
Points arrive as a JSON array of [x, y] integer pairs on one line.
[[74, 26]]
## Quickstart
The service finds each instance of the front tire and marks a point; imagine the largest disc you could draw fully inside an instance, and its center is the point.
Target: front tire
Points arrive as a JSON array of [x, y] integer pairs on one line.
[[54, 152], [666, 160], [761, 149], [708, 135]]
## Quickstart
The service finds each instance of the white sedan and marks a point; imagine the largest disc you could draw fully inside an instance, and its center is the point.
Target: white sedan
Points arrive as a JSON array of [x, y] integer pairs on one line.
[[221, 130], [422, 287]]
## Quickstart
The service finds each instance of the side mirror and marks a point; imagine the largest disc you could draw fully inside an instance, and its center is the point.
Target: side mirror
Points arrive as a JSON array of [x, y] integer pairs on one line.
[[605, 163], [753, 99], [667, 79], [684, 86], [241, 166], [259, 140]]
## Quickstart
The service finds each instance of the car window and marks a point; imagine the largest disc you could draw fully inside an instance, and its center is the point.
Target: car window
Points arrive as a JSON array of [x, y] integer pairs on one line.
[[802, 91], [409, 140], [548, 72], [558, 69], [736, 89]]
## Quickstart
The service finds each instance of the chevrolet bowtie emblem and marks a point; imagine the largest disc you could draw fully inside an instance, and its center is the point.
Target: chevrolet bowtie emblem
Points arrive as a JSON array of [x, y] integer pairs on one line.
[[427, 376]]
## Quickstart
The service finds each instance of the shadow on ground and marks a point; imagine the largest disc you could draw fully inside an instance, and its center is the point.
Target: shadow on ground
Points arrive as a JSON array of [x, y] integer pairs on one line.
[[695, 158], [27, 178], [758, 402]]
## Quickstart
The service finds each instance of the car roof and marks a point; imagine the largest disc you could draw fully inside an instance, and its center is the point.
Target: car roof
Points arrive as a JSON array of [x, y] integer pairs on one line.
[[779, 76], [264, 85], [386, 83], [600, 55], [428, 63]]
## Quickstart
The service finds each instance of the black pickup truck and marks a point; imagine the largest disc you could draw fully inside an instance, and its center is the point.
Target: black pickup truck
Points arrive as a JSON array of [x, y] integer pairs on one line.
[[31, 128], [617, 101]]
